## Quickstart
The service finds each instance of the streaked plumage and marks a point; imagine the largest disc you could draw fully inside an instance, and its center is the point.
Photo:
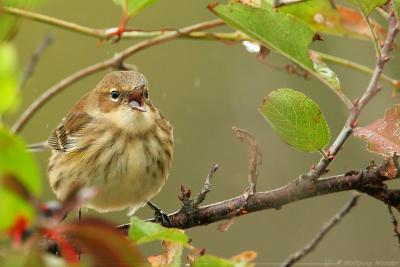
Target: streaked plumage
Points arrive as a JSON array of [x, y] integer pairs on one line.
[[122, 146]]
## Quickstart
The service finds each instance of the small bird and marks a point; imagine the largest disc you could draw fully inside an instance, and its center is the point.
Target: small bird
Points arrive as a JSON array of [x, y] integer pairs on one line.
[[115, 140]]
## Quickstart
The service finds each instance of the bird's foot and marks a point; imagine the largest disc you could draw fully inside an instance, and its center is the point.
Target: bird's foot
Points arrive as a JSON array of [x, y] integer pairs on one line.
[[159, 215]]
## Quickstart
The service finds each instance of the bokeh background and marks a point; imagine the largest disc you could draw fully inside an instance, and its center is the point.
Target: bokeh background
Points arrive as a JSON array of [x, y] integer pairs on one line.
[[205, 88]]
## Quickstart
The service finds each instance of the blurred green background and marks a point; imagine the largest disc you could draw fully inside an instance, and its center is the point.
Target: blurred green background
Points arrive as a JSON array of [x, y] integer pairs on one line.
[[204, 88]]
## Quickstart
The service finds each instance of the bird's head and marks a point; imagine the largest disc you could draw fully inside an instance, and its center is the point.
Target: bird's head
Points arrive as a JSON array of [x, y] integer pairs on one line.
[[122, 97]]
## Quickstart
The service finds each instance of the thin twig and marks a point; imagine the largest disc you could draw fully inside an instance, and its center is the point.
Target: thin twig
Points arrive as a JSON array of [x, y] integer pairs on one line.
[[207, 186], [395, 224], [255, 157], [375, 39], [115, 62], [30, 67], [361, 68], [321, 234], [352, 120], [104, 33]]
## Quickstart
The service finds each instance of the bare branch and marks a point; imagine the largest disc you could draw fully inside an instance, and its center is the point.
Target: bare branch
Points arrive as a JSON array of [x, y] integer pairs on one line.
[[207, 186], [369, 181], [114, 62], [30, 67], [352, 120], [321, 234]]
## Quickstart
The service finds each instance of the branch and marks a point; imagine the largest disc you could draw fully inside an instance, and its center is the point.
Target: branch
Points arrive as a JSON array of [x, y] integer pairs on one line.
[[104, 33], [369, 181], [325, 229], [115, 62], [219, 36], [358, 67], [30, 67], [352, 120]]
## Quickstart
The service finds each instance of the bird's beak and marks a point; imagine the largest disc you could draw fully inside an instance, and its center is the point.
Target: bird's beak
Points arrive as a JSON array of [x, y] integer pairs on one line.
[[137, 99]]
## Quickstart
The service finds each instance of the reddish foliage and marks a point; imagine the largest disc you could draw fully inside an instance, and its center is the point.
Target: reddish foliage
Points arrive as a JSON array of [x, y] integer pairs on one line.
[[383, 135], [17, 230]]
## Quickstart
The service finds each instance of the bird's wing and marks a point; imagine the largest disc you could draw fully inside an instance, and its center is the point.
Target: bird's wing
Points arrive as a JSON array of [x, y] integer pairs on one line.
[[62, 138]]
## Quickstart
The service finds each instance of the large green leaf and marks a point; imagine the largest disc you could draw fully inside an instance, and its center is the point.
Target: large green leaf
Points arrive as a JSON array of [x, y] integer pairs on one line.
[[8, 77], [133, 7], [324, 17], [296, 119], [17, 163], [280, 31], [367, 6], [143, 232]]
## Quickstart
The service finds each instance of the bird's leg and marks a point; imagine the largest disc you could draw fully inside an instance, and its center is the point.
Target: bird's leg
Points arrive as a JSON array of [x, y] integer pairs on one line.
[[79, 214], [159, 215]]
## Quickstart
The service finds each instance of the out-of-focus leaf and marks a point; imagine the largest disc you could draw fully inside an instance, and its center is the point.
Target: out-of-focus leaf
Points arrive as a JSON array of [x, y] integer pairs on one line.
[[7, 21], [143, 232], [296, 119], [210, 260], [170, 257], [133, 7], [367, 6], [383, 135], [24, 258], [103, 243], [396, 4], [324, 17], [8, 77], [244, 259], [280, 31], [16, 162]]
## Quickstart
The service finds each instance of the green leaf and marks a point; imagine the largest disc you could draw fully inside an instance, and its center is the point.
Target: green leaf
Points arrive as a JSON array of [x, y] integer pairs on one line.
[[296, 119], [210, 260], [324, 17], [367, 6], [133, 7], [143, 232], [8, 77], [277, 30], [282, 32], [15, 161]]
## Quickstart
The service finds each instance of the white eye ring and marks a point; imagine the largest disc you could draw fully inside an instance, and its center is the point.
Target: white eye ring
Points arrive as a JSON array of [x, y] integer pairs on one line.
[[114, 94]]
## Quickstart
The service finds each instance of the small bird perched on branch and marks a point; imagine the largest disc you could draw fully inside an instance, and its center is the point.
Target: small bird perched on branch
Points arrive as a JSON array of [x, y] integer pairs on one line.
[[115, 140]]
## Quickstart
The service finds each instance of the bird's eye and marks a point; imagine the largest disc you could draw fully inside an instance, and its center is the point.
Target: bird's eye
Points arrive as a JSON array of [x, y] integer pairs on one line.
[[114, 95], [146, 94]]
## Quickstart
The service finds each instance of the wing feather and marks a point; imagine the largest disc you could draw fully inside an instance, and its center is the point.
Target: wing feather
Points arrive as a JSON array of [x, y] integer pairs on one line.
[[62, 138]]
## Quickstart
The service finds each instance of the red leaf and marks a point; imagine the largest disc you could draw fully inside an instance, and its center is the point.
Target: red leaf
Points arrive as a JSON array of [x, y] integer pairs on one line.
[[103, 242], [383, 135], [17, 230], [67, 250]]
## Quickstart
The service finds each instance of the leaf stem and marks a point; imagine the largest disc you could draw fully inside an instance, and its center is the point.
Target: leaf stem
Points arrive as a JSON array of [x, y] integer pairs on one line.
[[375, 39], [356, 66]]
